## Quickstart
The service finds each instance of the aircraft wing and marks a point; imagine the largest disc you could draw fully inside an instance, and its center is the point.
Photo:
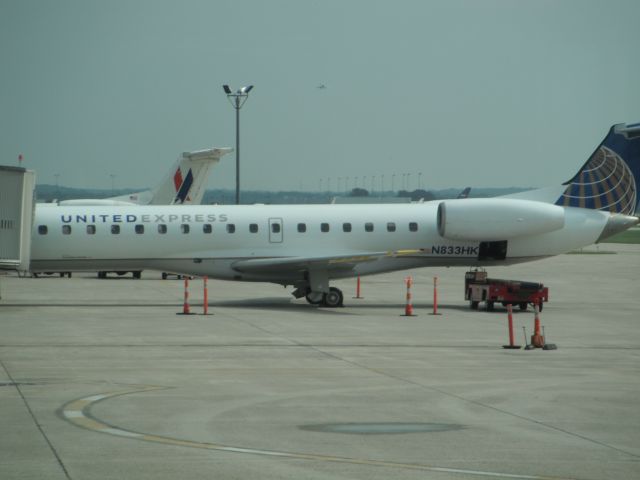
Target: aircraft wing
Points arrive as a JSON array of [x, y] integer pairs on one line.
[[330, 262]]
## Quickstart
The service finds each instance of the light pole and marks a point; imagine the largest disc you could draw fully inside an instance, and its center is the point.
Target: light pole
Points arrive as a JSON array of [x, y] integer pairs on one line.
[[113, 183], [237, 100]]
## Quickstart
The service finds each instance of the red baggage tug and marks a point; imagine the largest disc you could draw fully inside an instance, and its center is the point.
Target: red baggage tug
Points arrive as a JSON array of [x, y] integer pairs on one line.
[[478, 288]]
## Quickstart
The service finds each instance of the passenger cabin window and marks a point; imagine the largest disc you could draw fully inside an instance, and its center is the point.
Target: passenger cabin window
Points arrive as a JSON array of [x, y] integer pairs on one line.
[[275, 228], [368, 227], [91, 229], [115, 229], [253, 227], [66, 229], [346, 227], [139, 229], [206, 228], [302, 227], [162, 228], [391, 227], [231, 228], [184, 228], [324, 227], [43, 229], [413, 227]]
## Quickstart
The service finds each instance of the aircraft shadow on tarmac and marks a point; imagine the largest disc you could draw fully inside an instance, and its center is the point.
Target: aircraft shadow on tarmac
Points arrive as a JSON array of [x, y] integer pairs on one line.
[[351, 307]]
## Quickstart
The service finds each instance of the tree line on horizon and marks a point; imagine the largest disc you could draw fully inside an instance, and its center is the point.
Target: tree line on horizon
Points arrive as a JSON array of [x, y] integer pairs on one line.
[[49, 193]]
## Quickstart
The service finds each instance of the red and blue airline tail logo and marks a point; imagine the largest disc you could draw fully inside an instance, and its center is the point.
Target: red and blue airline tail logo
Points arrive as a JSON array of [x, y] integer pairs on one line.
[[610, 179], [182, 186]]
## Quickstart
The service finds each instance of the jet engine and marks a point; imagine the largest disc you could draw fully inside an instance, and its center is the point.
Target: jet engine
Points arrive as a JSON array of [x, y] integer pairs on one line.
[[493, 219]]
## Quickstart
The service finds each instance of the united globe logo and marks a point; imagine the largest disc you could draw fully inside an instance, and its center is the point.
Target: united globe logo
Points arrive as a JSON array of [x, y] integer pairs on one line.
[[605, 183]]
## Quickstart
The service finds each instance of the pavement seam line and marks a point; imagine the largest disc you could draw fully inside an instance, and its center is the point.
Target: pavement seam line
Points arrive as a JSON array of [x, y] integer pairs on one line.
[[35, 421]]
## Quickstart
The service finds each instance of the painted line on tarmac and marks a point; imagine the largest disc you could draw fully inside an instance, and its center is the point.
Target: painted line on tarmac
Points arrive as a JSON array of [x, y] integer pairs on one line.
[[78, 413]]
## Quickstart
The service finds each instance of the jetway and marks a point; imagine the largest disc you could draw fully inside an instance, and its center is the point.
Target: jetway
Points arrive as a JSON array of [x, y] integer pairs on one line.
[[16, 217]]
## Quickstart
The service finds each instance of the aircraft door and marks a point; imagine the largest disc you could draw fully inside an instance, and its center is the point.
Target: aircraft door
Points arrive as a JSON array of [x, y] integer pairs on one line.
[[493, 250], [275, 230]]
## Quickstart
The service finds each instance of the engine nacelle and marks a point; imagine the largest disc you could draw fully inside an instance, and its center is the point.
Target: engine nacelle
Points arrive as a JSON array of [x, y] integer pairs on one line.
[[493, 219]]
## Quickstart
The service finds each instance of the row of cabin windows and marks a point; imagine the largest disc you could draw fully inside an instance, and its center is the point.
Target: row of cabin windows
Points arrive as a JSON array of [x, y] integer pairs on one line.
[[347, 227], [140, 229], [230, 227]]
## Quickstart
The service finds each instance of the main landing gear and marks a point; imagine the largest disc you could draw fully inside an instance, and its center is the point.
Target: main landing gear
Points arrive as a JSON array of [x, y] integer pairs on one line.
[[332, 299], [317, 291]]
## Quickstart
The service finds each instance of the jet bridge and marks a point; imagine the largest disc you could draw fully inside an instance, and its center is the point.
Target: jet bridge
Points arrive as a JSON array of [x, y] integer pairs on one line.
[[16, 217]]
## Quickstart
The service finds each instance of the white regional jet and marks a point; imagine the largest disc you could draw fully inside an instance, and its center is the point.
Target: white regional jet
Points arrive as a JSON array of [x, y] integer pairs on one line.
[[185, 183], [306, 246]]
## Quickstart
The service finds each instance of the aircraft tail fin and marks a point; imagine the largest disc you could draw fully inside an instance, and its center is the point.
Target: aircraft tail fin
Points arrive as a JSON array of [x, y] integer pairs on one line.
[[186, 182], [464, 193], [610, 179]]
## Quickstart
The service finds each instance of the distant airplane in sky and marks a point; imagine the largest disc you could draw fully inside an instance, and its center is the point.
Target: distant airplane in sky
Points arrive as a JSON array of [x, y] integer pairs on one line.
[[307, 246]]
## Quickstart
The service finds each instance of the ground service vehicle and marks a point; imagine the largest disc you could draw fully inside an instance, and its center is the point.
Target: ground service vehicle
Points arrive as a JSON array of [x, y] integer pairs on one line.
[[479, 288]]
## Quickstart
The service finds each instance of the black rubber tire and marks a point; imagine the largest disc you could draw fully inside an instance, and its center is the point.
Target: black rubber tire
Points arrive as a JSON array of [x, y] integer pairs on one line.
[[333, 299], [313, 301]]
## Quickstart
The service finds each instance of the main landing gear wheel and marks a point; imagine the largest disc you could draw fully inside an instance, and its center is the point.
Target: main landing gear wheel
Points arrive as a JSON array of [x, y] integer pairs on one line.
[[314, 298], [333, 299]]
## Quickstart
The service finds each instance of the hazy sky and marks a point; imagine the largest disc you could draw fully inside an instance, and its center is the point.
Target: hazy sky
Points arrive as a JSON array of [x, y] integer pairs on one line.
[[467, 92]]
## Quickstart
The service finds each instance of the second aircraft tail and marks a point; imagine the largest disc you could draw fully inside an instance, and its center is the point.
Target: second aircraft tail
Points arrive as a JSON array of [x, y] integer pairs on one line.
[[186, 182]]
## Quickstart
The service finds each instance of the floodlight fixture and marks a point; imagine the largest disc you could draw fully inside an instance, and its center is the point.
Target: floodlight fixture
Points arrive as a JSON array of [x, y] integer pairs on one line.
[[237, 100]]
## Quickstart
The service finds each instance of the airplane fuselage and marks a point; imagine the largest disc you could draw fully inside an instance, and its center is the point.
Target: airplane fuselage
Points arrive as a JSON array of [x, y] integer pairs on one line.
[[214, 240]]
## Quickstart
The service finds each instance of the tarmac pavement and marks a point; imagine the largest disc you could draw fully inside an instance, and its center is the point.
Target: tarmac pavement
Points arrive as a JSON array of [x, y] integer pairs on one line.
[[101, 379]]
